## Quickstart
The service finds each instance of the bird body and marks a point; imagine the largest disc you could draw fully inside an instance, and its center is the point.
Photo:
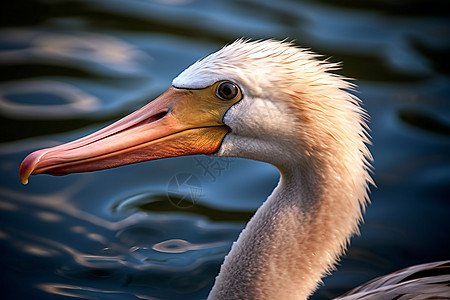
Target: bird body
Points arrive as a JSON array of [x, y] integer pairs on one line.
[[421, 282], [268, 101]]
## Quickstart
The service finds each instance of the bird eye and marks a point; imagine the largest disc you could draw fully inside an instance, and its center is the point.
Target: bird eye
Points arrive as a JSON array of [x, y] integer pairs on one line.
[[227, 90]]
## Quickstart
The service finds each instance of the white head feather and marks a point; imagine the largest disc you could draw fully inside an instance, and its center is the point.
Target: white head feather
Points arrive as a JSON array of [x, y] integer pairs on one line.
[[301, 118]]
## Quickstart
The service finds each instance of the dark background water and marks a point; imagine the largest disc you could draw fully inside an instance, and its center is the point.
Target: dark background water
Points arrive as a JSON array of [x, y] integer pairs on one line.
[[71, 67]]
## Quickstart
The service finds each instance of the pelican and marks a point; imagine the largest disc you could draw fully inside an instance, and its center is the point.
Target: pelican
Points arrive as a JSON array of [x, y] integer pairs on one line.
[[269, 101]]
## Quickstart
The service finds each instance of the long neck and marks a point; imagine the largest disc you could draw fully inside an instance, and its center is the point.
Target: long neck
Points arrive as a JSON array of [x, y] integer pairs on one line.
[[293, 239]]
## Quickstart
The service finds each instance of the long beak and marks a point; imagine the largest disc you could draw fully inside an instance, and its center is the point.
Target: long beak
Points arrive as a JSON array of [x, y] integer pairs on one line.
[[179, 122]]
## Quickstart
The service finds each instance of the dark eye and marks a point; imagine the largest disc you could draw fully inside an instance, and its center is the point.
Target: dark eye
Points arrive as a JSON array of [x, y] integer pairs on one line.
[[227, 90]]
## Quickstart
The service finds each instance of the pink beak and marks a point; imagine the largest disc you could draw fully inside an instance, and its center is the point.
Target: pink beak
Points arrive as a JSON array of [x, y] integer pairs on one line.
[[171, 125]]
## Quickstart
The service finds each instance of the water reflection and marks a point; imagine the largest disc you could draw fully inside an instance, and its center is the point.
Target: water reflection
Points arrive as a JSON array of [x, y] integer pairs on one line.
[[96, 52], [180, 246], [425, 121], [86, 292], [71, 100], [126, 246]]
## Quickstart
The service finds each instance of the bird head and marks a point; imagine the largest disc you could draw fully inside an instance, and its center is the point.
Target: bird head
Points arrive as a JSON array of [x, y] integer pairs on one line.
[[263, 100]]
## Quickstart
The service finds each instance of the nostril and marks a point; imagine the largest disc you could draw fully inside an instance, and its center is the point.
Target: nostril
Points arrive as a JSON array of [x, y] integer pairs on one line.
[[150, 119], [157, 117]]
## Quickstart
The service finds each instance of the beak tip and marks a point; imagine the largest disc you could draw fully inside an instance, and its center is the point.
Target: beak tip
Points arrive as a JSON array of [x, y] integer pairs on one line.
[[24, 174], [25, 171], [29, 164]]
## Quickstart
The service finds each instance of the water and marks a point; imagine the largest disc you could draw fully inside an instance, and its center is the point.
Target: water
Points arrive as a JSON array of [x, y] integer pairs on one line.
[[71, 67]]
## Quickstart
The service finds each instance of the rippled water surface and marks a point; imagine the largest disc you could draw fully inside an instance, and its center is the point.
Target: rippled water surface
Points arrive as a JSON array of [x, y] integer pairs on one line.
[[160, 230]]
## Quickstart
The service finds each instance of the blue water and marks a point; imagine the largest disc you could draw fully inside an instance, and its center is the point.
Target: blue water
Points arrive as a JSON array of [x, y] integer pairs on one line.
[[137, 232]]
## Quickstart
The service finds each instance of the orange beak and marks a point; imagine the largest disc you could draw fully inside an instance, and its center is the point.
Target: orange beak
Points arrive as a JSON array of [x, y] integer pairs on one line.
[[179, 122]]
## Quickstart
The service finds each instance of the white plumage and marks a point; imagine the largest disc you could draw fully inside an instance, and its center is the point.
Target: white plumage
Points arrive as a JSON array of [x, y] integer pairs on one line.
[[316, 137], [283, 106]]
